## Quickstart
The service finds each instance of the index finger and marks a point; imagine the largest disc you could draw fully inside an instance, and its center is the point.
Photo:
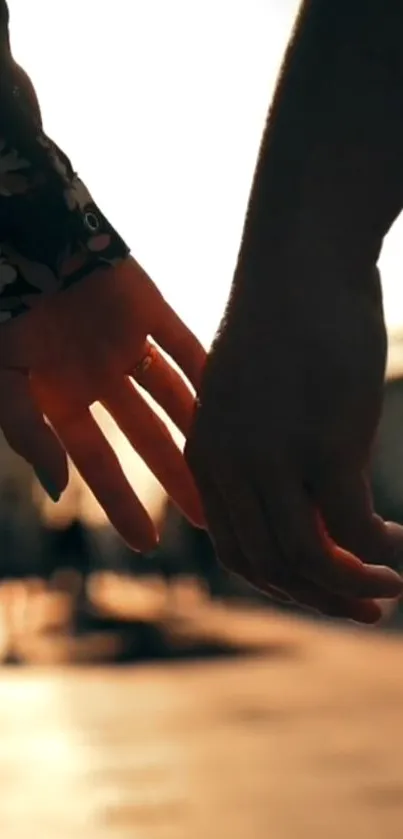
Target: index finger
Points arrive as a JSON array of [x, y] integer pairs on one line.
[[100, 468], [181, 344]]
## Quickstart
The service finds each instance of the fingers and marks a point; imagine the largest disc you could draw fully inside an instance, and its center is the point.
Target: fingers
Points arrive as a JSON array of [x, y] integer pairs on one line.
[[100, 469], [27, 432], [256, 528], [345, 502], [150, 437], [304, 539], [167, 387], [180, 343], [320, 600], [243, 535], [221, 531], [231, 485], [225, 541]]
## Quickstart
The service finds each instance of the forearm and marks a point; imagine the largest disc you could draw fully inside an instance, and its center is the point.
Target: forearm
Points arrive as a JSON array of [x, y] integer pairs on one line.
[[329, 179], [51, 232]]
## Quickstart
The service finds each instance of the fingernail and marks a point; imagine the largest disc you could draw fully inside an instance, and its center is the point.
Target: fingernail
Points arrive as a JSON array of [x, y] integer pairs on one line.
[[48, 485]]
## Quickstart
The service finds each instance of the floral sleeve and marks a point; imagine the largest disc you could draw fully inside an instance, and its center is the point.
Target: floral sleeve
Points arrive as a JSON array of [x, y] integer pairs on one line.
[[52, 234], [47, 241]]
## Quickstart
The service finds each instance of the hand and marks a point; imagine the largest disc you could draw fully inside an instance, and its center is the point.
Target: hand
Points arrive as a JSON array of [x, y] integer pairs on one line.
[[281, 444], [84, 345]]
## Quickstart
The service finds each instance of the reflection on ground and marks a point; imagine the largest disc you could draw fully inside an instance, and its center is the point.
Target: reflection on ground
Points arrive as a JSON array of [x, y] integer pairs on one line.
[[295, 746]]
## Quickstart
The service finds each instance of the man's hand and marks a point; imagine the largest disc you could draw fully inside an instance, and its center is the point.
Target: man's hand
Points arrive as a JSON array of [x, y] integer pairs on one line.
[[281, 444]]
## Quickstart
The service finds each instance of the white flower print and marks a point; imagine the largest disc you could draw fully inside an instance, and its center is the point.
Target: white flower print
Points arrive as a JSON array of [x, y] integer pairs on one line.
[[77, 195], [89, 240], [38, 275], [58, 164]]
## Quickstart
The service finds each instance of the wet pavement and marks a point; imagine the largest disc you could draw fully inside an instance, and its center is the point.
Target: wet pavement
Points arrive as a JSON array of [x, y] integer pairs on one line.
[[304, 740]]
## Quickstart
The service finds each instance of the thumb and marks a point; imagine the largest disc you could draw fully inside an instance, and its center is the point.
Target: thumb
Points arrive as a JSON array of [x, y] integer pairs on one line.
[[347, 509]]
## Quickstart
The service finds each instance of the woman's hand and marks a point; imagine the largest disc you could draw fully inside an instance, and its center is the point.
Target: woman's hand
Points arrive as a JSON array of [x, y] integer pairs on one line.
[[86, 344], [281, 444]]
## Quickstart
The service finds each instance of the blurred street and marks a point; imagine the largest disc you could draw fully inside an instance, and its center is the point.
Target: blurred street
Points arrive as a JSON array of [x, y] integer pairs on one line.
[[300, 741], [156, 696]]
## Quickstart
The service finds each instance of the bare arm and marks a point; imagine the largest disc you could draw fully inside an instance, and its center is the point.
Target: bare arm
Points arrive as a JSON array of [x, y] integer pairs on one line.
[[292, 392], [329, 178]]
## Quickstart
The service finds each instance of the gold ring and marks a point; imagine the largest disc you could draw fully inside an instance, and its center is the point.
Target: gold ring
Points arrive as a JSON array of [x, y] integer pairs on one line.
[[145, 363]]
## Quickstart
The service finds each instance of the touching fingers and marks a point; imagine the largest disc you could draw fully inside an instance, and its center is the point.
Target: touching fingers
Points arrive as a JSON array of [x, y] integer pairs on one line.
[[179, 342], [243, 535], [27, 432], [155, 445], [310, 596], [306, 543], [273, 570], [345, 502]]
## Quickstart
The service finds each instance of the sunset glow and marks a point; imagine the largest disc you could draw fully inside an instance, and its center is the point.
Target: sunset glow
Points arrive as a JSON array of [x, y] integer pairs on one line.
[[161, 108]]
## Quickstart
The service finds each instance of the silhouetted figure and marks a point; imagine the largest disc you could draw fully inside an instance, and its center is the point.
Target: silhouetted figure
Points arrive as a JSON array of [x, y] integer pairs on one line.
[[20, 540], [66, 548]]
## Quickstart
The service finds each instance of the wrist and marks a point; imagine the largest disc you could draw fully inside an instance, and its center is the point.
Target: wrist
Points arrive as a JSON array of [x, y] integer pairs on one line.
[[329, 228]]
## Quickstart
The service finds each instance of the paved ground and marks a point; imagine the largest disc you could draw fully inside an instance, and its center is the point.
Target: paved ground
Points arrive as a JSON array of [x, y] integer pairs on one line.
[[304, 741]]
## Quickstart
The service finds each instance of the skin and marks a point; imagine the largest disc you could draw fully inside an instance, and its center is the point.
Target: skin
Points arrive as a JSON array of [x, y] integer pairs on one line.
[[292, 393], [86, 344], [56, 361]]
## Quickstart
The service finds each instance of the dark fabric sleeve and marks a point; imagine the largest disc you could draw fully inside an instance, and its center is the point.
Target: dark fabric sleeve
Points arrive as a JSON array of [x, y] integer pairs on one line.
[[52, 234]]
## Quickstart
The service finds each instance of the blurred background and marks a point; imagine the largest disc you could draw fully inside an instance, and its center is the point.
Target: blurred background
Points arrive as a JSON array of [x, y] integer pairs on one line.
[[156, 696]]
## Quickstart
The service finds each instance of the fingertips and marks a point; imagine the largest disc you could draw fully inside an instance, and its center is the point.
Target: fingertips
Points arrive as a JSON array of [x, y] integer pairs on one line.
[[28, 433], [100, 468], [355, 578], [316, 599], [364, 611], [345, 573]]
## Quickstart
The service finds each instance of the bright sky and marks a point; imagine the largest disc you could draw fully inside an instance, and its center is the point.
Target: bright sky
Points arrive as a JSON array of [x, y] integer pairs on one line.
[[160, 106]]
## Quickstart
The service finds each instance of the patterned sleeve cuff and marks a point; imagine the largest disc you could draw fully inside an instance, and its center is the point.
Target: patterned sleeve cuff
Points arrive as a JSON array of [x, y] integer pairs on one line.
[[52, 234]]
